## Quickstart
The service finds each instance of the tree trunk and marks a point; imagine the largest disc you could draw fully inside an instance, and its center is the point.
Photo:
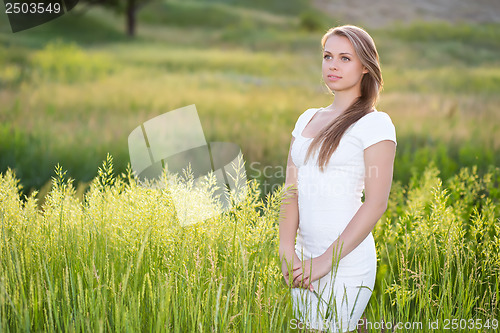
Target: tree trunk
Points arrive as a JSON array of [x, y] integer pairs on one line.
[[131, 11]]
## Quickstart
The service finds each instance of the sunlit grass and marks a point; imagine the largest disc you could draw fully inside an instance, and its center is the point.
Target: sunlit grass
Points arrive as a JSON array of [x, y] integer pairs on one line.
[[105, 254], [119, 259]]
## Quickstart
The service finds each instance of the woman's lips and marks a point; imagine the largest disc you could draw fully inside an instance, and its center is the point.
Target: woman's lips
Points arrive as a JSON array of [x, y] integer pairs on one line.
[[334, 77]]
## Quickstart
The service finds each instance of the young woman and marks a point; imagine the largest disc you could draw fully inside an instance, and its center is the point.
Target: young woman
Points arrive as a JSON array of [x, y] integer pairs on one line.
[[335, 153]]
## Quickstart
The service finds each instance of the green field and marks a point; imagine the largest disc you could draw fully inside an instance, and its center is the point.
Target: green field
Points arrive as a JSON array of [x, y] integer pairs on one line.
[[72, 90], [66, 87], [121, 261]]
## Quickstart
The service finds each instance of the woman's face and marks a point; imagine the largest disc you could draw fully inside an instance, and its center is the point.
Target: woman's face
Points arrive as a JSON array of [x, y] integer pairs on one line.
[[342, 69]]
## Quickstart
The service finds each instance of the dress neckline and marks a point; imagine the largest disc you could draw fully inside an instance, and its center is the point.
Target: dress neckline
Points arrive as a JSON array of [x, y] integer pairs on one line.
[[318, 110]]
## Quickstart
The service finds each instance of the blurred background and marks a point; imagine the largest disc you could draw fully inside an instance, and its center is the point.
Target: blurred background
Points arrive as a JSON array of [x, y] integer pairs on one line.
[[72, 89]]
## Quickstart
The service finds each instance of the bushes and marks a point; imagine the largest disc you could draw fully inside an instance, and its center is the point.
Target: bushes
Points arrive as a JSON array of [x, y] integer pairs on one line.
[[68, 63]]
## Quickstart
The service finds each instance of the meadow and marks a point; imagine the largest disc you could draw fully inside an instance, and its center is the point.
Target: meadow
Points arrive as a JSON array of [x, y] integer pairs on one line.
[[64, 87], [122, 261], [92, 250]]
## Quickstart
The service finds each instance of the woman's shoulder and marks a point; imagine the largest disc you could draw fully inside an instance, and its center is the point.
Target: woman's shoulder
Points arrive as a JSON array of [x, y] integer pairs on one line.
[[374, 118], [374, 127]]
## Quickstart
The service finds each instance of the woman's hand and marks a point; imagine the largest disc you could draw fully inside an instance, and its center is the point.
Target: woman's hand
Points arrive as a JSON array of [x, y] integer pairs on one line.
[[294, 263], [311, 270]]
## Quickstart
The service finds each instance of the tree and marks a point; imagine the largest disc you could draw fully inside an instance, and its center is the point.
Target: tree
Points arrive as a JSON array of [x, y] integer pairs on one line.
[[131, 9], [128, 7]]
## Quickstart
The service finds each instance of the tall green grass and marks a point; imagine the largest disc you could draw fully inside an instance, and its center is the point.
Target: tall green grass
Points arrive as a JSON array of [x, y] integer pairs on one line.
[[440, 254], [119, 260]]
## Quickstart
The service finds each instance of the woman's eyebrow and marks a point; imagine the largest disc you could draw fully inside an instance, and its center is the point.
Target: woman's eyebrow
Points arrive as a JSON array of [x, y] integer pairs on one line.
[[341, 53]]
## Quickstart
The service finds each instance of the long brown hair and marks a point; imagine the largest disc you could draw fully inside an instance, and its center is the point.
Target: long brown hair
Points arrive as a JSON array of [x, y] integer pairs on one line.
[[371, 84]]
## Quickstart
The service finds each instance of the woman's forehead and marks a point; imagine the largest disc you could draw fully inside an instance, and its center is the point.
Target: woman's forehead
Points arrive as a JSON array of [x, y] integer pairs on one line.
[[338, 44]]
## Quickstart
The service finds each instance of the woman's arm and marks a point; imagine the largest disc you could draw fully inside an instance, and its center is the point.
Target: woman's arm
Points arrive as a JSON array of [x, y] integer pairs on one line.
[[379, 164], [289, 221]]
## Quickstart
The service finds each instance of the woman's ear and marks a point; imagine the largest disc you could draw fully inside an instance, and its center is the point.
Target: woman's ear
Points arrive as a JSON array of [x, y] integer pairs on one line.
[[365, 70]]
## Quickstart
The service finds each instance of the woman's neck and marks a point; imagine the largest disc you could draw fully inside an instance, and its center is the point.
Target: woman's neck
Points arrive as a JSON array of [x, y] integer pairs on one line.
[[342, 101]]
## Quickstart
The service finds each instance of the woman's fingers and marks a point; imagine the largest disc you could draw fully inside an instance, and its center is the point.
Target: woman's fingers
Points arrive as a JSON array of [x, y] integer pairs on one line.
[[301, 280], [304, 282], [290, 273], [304, 279], [297, 284], [296, 274], [295, 280]]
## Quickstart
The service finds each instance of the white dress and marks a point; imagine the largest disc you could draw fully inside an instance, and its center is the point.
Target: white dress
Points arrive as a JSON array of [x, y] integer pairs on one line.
[[327, 202]]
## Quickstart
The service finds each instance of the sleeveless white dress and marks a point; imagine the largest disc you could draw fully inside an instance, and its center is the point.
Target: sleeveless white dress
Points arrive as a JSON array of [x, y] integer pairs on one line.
[[327, 202]]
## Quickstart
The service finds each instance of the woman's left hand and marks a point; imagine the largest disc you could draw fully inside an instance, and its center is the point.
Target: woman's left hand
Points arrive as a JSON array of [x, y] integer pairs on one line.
[[311, 270]]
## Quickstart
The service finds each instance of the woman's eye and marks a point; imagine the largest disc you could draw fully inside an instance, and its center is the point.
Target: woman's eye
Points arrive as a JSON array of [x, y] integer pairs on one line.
[[326, 56], [345, 59]]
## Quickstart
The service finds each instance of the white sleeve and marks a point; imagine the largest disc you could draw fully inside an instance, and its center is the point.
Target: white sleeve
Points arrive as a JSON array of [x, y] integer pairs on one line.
[[376, 128], [299, 126], [295, 131]]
